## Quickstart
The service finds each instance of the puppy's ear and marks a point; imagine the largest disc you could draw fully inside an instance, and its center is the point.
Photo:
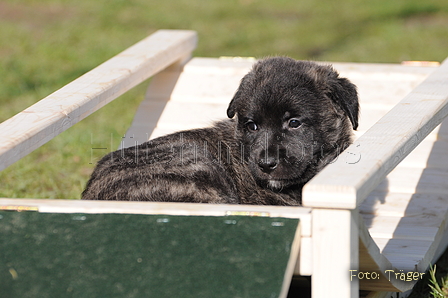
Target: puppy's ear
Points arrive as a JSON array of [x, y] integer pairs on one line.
[[231, 110], [344, 94], [243, 89]]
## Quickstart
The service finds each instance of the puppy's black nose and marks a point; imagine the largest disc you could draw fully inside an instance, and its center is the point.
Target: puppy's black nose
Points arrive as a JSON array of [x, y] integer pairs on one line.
[[267, 165]]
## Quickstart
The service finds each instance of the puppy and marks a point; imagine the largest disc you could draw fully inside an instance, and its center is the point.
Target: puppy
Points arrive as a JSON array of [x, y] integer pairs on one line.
[[288, 120]]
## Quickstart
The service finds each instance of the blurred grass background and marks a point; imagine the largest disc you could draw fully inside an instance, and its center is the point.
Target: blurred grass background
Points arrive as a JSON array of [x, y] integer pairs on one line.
[[46, 44]]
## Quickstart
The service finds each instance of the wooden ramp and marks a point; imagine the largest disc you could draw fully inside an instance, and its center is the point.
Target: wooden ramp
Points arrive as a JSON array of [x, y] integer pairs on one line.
[[370, 218], [116, 250]]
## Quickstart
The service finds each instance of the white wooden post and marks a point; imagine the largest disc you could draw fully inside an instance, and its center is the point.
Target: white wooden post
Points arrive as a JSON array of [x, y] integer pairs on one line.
[[335, 253]]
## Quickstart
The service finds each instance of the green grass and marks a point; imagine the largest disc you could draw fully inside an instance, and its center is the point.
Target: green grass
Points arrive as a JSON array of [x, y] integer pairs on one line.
[[439, 289], [46, 44], [435, 282]]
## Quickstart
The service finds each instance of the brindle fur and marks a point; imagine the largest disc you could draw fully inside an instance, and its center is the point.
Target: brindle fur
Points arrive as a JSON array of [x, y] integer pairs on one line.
[[289, 119]]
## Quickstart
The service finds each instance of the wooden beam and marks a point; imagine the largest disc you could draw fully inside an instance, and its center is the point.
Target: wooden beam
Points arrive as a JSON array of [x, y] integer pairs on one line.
[[185, 209], [335, 253], [360, 168], [44, 120]]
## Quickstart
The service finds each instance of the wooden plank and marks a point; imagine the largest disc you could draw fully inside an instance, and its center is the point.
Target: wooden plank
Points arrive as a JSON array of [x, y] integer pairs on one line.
[[123, 255], [125, 207], [206, 88], [415, 180], [304, 266], [403, 248], [431, 153], [183, 115], [208, 80], [382, 71], [371, 260], [442, 133], [292, 248], [400, 255], [359, 169], [151, 108], [416, 254], [44, 120], [438, 246], [234, 66], [380, 92], [418, 227], [369, 263], [381, 85], [407, 249], [404, 204], [369, 116]]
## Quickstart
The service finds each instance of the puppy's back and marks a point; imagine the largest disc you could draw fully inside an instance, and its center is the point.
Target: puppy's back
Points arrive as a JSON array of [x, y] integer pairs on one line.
[[182, 167]]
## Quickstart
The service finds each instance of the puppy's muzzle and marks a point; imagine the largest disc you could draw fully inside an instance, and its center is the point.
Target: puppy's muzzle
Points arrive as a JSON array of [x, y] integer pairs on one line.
[[267, 165], [269, 160]]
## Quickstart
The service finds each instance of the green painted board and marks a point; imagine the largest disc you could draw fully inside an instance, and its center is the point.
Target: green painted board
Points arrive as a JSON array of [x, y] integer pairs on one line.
[[122, 255]]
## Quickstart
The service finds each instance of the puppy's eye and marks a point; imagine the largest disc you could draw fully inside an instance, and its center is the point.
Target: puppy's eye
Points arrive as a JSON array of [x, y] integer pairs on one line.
[[294, 123], [251, 125]]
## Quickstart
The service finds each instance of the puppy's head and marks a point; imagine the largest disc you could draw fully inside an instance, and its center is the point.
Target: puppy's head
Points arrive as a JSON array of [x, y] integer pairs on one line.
[[294, 117]]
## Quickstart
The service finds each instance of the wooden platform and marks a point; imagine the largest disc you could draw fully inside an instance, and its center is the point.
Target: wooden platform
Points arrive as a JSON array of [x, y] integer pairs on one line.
[[402, 216]]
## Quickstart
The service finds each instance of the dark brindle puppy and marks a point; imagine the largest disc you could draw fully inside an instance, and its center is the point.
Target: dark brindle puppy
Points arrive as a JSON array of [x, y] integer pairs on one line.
[[291, 118]]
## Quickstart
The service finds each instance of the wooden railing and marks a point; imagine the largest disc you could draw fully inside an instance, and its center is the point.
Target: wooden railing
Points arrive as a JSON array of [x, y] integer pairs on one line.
[[38, 124]]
